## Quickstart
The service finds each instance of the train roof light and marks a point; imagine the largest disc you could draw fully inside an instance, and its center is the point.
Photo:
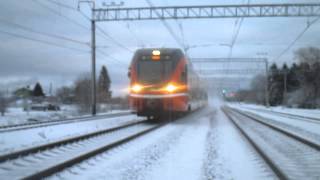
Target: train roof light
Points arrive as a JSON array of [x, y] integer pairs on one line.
[[156, 53]]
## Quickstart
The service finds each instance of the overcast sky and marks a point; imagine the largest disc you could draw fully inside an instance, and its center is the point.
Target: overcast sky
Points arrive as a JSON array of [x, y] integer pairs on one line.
[[23, 61]]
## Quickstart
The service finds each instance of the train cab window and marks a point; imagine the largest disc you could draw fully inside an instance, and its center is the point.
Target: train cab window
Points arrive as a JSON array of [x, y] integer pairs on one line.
[[150, 71]]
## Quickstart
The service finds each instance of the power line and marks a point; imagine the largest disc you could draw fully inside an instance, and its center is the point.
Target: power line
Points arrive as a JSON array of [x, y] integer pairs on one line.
[[62, 5], [236, 34], [112, 39], [59, 14], [70, 8], [42, 41], [89, 19], [108, 35], [43, 33], [139, 41], [167, 26], [297, 38], [180, 26], [111, 57]]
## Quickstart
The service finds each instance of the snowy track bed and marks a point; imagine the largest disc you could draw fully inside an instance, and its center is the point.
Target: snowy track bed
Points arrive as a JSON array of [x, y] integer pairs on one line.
[[29, 125], [290, 115], [301, 128], [290, 156], [48, 160], [198, 146], [13, 141]]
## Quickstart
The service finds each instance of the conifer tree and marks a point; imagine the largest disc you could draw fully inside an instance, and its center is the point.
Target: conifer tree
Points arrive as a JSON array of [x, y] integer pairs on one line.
[[104, 83], [37, 91]]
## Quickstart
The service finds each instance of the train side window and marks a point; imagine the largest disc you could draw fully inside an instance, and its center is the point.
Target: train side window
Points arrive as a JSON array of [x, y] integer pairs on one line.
[[184, 74], [129, 73]]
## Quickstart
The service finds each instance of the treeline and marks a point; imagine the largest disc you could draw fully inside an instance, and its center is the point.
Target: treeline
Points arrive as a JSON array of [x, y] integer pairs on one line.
[[79, 94], [295, 85]]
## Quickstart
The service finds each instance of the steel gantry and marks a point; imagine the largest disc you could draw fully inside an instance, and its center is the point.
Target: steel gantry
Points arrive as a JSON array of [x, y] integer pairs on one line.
[[209, 11], [243, 72]]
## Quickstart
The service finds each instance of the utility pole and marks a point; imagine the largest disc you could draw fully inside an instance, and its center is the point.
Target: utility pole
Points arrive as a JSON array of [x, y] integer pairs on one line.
[[266, 88], [267, 83], [93, 49], [285, 84], [93, 57]]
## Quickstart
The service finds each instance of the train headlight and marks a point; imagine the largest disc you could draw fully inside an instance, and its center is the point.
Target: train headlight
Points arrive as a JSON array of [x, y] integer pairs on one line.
[[171, 88], [136, 88]]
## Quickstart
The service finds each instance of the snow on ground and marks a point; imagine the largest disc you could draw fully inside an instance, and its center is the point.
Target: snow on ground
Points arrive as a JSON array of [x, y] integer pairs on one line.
[[313, 113], [308, 129], [295, 159], [229, 156], [18, 116], [14, 140], [200, 146]]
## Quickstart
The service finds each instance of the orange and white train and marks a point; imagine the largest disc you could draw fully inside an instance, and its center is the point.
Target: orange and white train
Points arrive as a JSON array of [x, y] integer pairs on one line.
[[163, 81]]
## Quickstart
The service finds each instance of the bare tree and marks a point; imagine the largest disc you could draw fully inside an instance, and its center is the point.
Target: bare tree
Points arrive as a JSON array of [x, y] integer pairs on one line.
[[308, 55], [258, 89], [3, 103], [65, 94], [82, 93]]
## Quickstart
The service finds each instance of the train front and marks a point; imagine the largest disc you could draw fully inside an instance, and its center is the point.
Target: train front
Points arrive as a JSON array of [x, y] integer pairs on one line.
[[158, 82]]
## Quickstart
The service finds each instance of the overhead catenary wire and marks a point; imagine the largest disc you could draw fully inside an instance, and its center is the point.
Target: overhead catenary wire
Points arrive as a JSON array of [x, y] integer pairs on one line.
[[62, 4], [107, 36], [48, 35], [103, 33], [61, 15], [42, 41], [111, 57], [309, 24], [88, 19], [167, 26], [236, 33], [139, 41], [183, 38], [25, 28]]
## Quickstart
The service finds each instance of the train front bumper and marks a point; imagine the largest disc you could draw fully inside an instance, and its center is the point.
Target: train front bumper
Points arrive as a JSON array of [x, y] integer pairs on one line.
[[147, 104]]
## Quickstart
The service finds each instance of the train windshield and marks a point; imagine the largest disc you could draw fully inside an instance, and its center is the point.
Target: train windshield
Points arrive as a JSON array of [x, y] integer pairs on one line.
[[150, 71]]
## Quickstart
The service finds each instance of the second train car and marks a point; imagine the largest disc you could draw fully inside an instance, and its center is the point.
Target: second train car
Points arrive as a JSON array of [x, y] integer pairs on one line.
[[163, 81]]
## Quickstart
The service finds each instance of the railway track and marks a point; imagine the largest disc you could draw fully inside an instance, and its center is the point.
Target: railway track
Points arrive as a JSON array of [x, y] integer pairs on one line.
[[288, 115], [289, 156], [42, 161], [29, 125]]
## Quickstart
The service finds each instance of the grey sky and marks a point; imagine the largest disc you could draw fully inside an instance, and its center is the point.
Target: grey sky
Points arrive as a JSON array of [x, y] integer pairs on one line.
[[23, 61]]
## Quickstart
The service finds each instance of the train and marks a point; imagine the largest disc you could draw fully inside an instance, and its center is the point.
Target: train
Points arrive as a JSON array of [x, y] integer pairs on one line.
[[164, 82]]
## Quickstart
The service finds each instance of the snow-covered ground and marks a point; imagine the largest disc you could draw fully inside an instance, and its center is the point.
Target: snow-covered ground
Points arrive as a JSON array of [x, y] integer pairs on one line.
[[15, 140], [204, 145], [313, 113], [307, 128], [18, 116], [295, 159]]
